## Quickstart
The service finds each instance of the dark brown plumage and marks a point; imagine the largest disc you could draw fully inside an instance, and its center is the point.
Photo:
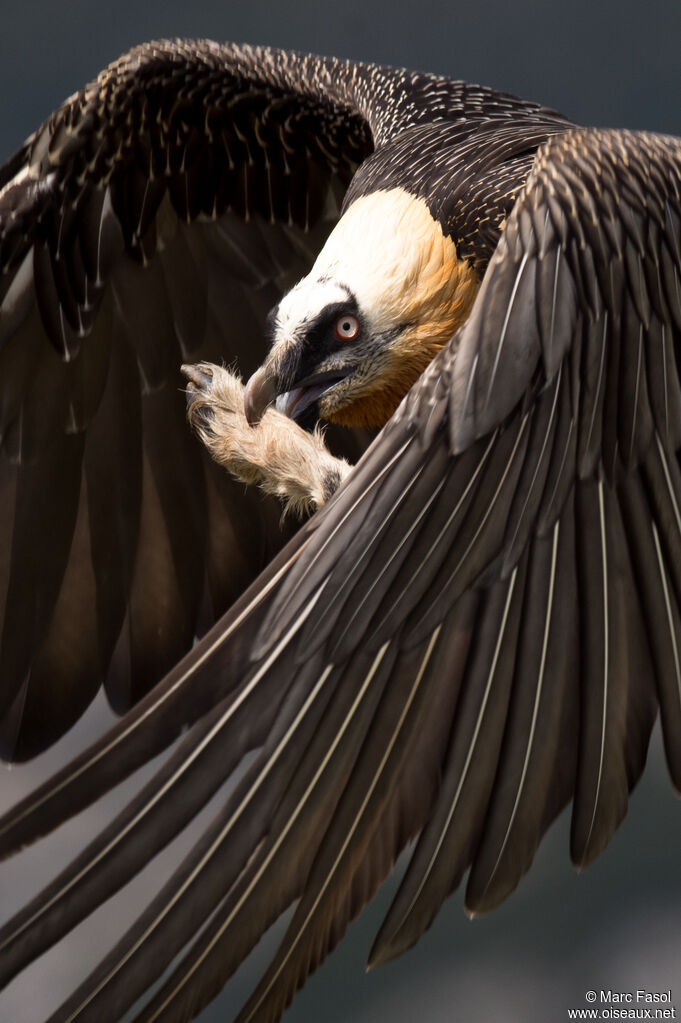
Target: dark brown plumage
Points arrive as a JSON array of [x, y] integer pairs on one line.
[[478, 626]]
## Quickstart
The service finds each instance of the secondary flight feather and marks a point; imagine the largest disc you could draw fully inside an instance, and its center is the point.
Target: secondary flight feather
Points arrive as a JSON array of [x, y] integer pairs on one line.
[[479, 623]]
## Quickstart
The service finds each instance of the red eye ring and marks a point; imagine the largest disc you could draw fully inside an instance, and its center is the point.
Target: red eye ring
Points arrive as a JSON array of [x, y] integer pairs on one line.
[[347, 328]]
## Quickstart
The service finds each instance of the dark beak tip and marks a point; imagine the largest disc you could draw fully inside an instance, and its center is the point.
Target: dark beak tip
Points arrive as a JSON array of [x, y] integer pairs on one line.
[[259, 394]]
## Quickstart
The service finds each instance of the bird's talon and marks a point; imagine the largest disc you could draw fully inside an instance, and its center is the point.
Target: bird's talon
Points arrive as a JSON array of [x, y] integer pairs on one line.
[[199, 375]]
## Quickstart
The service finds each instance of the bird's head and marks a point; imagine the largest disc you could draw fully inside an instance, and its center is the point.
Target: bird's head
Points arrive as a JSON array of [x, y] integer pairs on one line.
[[348, 341]]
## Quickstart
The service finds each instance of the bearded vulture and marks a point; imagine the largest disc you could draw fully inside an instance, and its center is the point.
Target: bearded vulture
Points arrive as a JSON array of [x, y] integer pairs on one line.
[[473, 626]]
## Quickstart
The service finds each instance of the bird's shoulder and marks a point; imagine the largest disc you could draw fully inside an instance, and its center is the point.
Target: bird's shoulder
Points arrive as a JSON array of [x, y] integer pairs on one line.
[[469, 170]]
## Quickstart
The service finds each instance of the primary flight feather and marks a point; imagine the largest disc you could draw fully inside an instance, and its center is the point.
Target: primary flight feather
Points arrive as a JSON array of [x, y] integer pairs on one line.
[[480, 621]]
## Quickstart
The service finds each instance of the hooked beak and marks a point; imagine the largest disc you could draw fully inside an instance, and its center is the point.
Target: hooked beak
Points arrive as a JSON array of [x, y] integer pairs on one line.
[[259, 394], [298, 403]]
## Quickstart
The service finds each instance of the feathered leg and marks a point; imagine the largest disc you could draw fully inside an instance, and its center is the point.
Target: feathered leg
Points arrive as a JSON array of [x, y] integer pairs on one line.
[[276, 454]]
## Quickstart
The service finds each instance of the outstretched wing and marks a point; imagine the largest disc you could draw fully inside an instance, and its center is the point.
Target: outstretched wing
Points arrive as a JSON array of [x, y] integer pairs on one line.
[[155, 218], [476, 630]]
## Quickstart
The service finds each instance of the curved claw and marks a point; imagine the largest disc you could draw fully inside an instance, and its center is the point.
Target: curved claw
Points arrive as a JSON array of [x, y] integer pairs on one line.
[[259, 394], [200, 378]]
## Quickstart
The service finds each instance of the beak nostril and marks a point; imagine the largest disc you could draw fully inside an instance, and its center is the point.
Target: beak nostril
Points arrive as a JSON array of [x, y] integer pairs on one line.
[[259, 394]]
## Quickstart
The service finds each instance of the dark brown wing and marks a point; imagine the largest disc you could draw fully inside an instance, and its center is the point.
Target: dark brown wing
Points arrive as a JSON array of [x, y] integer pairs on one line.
[[475, 631], [155, 218]]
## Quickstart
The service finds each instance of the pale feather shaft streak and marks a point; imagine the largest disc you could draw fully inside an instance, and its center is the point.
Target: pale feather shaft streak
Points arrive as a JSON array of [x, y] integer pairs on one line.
[[668, 609], [535, 710], [181, 771], [355, 504], [360, 813], [164, 696], [189, 881], [554, 299], [668, 481], [276, 612], [606, 657], [639, 363], [282, 835], [365, 551], [559, 474], [539, 459], [491, 505], [389, 561], [438, 539], [663, 348], [469, 755], [596, 397], [502, 337]]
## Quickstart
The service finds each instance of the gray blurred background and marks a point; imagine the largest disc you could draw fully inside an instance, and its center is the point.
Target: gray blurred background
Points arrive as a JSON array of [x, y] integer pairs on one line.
[[617, 926]]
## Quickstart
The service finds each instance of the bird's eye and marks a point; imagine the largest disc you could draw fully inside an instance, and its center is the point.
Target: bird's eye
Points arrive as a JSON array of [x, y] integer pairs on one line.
[[347, 328]]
